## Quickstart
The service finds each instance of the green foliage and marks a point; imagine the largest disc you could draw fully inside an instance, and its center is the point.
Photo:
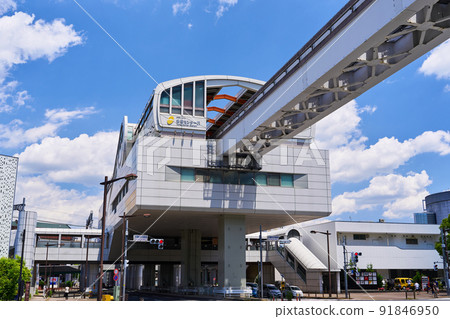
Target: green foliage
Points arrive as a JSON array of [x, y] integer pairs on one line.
[[418, 277], [445, 224], [379, 280], [9, 277], [68, 284], [289, 295], [369, 267]]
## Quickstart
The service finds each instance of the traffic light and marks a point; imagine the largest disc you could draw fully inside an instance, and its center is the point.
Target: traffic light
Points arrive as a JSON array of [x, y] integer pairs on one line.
[[159, 242], [435, 267], [356, 257], [126, 263]]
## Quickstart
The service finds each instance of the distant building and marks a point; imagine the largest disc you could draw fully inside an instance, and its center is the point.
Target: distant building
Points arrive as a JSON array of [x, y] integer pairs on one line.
[[8, 173], [438, 204], [392, 249], [425, 218]]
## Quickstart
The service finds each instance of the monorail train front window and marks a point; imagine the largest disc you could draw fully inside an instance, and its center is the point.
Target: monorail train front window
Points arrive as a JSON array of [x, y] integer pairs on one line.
[[188, 96], [200, 98], [176, 99], [165, 101]]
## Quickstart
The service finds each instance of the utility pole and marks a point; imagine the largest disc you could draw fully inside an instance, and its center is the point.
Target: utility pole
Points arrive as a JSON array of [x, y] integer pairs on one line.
[[20, 290], [345, 266], [124, 258], [445, 259], [261, 270]]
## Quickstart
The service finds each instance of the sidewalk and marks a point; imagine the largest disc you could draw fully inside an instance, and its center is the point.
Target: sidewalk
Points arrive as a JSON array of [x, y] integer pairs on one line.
[[71, 298]]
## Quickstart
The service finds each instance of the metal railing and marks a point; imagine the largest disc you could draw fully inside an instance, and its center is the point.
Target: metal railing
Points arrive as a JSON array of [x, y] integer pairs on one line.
[[336, 24]]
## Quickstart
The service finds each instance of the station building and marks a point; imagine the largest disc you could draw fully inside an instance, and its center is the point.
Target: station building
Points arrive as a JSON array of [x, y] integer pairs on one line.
[[391, 249], [203, 202]]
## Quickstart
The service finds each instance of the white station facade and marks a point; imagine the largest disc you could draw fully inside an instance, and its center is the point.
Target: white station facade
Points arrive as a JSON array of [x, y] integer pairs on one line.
[[201, 202]]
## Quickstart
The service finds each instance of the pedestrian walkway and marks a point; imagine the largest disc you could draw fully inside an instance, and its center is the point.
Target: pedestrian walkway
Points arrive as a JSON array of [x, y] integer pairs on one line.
[[61, 298]]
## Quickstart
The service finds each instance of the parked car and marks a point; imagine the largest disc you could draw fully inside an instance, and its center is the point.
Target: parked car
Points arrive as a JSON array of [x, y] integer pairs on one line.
[[270, 291], [296, 292], [402, 283], [254, 287]]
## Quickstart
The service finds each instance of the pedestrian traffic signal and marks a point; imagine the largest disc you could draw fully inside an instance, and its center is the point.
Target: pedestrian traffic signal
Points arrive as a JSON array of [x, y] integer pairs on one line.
[[435, 267]]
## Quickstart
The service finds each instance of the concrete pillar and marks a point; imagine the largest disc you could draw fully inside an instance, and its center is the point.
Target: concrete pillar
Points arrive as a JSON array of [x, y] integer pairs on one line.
[[231, 263], [148, 276], [166, 276], [191, 270]]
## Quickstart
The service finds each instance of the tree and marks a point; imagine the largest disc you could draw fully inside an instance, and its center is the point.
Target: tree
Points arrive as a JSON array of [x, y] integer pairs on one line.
[[9, 277], [445, 224]]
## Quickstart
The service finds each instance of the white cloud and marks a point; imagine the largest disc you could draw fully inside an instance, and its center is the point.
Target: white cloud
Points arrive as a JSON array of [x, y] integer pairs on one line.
[[190, 25], [447, 88], [14, 134], [351, 160], [181, 7], [43, 167], [82, 160], [438, 62], [224, 5], [7, 5], [57, 204], [10, 98], [22, 39], [398, 196]]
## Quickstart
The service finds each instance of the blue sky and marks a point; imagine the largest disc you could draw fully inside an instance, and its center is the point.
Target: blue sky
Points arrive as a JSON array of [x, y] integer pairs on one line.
[[65, 86]]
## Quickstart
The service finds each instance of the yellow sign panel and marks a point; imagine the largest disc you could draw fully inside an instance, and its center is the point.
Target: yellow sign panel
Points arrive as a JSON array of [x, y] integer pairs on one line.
[[170, 120]]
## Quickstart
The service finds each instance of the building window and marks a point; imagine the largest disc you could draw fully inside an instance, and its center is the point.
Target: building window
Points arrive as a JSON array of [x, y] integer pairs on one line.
[[187, 175], [261, 179], [286, 180], [246, 178], [215, 177], [412, 241], [199, 98], [359, 236], [123, 191], [273, 179], [230, 177], [176, 99], [164, 102], [188, 96]]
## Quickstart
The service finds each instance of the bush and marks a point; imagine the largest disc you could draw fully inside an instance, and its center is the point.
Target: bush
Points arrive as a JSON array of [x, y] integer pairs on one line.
[[289, 295], [418, 277], [9, 277], [68, 284]]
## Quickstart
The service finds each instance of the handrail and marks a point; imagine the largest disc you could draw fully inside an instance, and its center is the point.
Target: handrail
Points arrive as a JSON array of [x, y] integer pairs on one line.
[[336, 24]]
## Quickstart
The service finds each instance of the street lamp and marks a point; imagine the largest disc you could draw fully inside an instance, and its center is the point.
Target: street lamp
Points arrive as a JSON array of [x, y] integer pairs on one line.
[[105, 184], [328, 252], [125, 248]]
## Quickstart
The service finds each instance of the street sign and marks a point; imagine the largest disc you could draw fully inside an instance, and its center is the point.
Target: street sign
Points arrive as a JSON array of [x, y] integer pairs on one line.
[[273, 237], [116, 271], [116, 277], [140, 238], [284, 241]]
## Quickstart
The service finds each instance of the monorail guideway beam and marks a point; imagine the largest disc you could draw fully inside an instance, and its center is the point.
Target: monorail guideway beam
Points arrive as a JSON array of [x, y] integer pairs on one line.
[[366, 42]]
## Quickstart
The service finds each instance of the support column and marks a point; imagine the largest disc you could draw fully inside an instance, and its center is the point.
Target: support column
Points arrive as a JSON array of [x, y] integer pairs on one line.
[[166, 276], [149, 275], [191, 269], [231, 268]]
